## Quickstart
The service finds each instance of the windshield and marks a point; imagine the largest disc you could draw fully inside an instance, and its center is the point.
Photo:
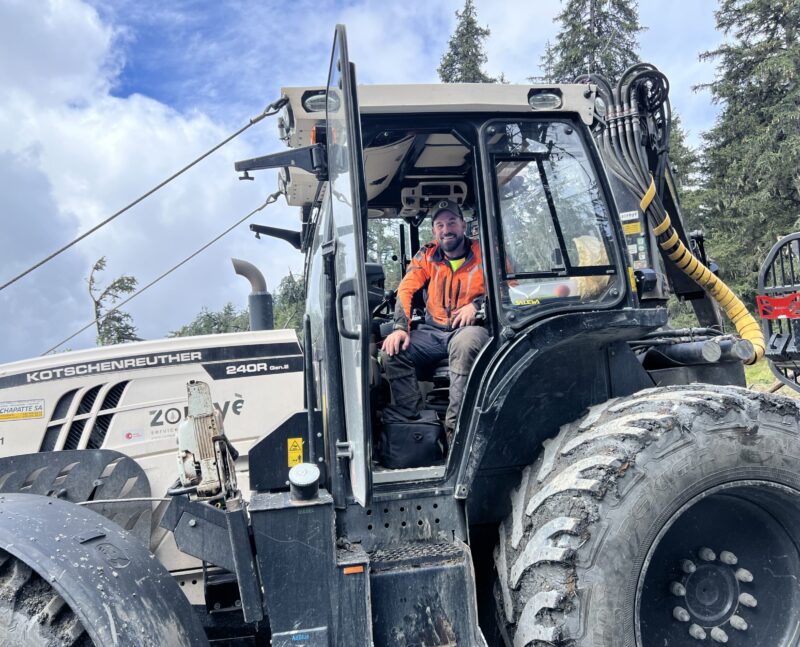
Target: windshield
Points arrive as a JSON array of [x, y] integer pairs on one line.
[[554, 223]]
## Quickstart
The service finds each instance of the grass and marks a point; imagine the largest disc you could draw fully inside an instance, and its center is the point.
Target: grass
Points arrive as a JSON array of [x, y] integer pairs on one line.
[[759, 378]]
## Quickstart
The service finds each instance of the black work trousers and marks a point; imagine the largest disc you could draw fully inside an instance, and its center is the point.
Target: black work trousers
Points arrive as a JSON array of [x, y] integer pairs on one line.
[[430, 345]]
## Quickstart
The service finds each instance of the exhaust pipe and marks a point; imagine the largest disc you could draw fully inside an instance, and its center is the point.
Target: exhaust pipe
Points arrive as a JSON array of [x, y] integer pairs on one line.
[[259, 300]]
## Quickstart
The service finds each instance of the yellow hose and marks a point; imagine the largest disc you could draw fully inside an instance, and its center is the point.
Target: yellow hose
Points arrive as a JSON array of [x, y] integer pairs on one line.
[[746, 325]]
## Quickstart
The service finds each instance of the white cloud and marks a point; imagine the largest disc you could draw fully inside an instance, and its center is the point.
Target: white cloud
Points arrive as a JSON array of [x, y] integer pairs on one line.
[[72, 154], [40, 57]]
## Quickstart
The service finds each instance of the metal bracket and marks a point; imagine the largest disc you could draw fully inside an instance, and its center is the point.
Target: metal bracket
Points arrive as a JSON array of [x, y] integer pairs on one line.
[[344, 449], [308, 158]]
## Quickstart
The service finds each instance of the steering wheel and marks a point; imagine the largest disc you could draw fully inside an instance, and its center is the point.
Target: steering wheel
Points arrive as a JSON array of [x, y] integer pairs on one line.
[[385, 309]]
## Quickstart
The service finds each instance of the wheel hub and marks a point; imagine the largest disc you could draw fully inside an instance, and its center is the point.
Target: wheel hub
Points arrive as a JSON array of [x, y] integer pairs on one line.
[[710, 596]]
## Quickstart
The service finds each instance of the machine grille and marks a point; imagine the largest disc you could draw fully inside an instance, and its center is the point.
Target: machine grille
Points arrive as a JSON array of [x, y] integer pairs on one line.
[[50, 438], [87, 402], [103, 422], [63, 405], [74, 434]]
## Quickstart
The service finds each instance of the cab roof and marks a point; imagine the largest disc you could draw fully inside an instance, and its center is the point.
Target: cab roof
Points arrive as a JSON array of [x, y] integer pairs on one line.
[[437, 98], [382, 161]]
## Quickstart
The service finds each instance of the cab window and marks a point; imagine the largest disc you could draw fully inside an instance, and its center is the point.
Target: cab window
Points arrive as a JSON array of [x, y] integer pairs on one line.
[[384, 246], [554, 224]]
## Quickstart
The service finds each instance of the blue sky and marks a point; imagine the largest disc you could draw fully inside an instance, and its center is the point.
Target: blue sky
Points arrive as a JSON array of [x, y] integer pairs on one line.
[[102, 99]]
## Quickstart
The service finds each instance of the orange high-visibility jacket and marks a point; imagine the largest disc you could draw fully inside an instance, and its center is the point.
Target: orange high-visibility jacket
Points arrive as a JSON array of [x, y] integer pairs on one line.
[[447, 290]]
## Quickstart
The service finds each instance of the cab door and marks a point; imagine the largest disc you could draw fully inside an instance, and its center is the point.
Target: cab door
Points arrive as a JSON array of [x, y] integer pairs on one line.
[[348, 206]]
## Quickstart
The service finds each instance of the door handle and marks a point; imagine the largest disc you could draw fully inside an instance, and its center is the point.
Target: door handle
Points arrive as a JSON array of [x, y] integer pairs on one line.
[[346, 288]]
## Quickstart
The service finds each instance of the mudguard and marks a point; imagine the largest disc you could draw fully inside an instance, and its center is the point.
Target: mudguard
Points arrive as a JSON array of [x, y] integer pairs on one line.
[[120, 592]]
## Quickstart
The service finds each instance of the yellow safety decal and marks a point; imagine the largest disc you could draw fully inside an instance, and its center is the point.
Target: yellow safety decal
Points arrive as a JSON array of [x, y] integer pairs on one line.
[[294, 451], [632, 228], [21, 410], [632, 278], [648, 197]]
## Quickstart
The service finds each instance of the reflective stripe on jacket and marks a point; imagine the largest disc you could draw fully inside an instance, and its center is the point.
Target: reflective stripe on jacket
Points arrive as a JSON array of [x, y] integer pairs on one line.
[[447, 290]]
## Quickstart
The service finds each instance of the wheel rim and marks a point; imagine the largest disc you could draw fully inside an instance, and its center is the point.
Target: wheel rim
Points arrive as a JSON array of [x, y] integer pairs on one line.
[[724, 569]]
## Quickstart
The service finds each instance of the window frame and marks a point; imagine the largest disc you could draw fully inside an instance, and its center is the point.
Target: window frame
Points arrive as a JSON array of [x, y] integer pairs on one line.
[[520, 316]]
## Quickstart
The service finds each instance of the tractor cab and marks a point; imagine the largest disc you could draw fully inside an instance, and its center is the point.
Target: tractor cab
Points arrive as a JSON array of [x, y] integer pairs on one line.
[[366, 166]]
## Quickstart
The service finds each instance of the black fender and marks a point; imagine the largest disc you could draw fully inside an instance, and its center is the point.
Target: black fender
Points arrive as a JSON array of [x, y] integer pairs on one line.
[[120, 592]]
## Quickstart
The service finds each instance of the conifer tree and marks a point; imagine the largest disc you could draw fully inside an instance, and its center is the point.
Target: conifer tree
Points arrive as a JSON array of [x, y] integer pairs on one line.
[[464, 60], [597, 36], [752, 160]]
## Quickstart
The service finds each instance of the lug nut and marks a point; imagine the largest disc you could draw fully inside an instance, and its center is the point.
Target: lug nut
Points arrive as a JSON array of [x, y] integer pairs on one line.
[[727, 557], [681, 615], [678, 589], [706, 554], [748, 600], [718, 635], [738, 623], [697, 632], [743, 575], [687, 566]]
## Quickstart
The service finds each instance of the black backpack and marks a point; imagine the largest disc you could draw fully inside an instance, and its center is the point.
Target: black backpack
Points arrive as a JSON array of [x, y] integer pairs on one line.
[[408, 443]]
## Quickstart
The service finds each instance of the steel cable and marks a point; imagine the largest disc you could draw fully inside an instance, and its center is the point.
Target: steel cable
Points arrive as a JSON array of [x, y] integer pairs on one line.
[[272, 198], [270, 110]]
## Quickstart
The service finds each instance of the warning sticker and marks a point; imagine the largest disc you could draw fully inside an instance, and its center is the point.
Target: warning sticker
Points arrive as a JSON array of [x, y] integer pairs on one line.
[[294, 451], [629, 216], [21, 410], [631, 228]]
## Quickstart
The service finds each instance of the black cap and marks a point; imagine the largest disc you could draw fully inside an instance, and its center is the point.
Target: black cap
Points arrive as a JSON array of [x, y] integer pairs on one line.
[[446, 205]]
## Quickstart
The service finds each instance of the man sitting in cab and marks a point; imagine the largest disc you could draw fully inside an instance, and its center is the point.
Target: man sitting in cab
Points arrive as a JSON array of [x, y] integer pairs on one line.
[[450, 270]]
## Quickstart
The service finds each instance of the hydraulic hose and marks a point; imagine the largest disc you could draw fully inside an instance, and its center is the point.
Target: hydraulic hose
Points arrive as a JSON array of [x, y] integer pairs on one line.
[[746, 325], [634, 142]]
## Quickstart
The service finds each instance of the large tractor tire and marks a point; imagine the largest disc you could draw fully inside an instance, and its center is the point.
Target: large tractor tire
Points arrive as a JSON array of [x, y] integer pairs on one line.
[[670, 517], [32, 614]]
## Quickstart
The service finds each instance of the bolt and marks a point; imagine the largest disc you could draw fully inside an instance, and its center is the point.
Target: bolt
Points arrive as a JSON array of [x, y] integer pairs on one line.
[[687, 566], [748, 600], [706, 554], [676, 588], [727, 557], [738, 623], [696, 631], [743, 575], [192, 522], [718, 635], [681, 615]]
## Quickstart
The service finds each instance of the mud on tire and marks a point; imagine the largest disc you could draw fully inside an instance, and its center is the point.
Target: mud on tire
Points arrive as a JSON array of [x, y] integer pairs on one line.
[[668, 517], [32, 614]]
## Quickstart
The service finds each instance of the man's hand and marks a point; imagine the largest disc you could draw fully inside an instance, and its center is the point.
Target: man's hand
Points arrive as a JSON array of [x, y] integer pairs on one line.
[[465, 316], [396, 341]]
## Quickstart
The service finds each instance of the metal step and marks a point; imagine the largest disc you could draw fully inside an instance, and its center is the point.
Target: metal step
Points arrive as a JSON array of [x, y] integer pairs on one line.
[[423, 593]]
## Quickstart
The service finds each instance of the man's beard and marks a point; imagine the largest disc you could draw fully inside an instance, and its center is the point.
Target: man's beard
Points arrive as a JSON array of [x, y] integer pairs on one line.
[[451, 244]]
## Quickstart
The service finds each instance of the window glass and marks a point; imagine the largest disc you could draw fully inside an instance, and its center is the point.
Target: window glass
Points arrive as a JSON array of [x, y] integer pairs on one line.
[[557, 241], [383, 246]]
